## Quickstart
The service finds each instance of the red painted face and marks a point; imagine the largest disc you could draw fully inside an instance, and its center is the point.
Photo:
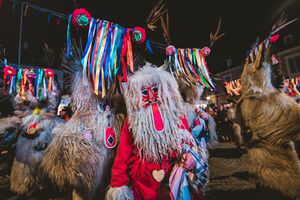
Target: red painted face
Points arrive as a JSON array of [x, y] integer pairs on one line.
[[150, 98]]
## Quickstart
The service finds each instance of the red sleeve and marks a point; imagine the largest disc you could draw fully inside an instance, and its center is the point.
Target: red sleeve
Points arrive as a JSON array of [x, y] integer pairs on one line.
[[119, 170]]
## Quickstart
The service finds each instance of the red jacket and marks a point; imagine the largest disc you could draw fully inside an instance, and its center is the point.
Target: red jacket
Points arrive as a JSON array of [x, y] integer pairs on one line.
[[129, 170]]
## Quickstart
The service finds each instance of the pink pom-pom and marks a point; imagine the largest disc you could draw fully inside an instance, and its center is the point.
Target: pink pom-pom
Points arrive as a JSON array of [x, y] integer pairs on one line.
[[81, 18], [274, 38], [206, 51], [170, 50], [138, 35]]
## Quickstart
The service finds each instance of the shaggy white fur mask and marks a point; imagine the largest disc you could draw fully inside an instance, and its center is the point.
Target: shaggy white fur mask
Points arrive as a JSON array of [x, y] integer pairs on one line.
[[153, 144]]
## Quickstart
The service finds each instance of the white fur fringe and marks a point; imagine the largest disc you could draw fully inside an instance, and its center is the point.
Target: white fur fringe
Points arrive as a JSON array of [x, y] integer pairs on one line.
[[119, 193]]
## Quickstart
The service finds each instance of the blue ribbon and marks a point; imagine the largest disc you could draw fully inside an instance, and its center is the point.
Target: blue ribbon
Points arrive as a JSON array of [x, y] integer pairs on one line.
[[69, 42], [102, 64], [99, 24], [90, 37], [119, 69], [149, 47]]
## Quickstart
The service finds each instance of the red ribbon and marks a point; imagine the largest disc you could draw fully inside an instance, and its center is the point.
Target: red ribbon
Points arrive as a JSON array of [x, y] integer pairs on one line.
[[8, 72]]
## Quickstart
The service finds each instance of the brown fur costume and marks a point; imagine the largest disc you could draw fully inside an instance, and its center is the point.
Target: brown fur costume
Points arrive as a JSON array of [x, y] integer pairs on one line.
[[72, 161], [25, 174], [273, 119]]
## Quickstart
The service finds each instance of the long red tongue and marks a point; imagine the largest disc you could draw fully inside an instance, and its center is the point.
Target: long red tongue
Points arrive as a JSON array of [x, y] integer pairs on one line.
[[157, 118]]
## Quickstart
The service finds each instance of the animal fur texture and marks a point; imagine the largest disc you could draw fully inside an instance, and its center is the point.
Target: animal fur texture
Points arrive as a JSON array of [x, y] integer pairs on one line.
[[76, 162], [140, 119], [120, 193], [273, 119], [25, 175], [8, 131], [236, 128]]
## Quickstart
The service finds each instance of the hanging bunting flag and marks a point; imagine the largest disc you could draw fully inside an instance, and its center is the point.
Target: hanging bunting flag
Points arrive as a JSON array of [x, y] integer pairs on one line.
[[14, 6], [49, 18], [58, 20]]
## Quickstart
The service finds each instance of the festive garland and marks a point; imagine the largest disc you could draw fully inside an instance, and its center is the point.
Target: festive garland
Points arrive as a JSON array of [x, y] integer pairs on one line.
[[233, 87], [33, 79], [108, 54], [191, 63], [291, 87]]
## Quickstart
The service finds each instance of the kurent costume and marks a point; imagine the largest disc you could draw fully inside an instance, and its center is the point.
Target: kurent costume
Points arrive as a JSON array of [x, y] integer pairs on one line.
[[152, 138], [81, 152], [34, 115], [271, 119]]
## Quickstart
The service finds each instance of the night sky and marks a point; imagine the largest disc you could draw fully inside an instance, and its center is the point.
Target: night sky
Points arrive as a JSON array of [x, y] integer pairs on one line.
[[190, 24]]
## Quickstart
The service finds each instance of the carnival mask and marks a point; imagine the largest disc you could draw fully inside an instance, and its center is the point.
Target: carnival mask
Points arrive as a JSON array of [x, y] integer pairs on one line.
[[150, 98]]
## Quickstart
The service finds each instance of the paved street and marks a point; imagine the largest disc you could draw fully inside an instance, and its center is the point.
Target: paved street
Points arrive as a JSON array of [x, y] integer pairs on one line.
[[228, 177]]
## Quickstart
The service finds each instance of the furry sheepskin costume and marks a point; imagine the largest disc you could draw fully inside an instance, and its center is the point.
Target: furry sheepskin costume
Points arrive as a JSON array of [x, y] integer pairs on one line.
[[26, 175], [272, 119], [78, 160], [151, 138], [37, 120]]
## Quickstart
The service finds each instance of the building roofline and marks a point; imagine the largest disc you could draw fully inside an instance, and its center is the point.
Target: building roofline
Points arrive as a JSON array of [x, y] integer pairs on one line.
[[229, 70], [281, 53]]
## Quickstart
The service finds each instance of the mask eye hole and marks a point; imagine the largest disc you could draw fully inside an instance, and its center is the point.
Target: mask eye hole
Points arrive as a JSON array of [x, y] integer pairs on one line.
[[144, 92]]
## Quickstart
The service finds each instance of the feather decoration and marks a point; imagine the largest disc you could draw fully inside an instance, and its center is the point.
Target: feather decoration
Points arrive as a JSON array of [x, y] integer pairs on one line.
[[216, 36], [155, 14]]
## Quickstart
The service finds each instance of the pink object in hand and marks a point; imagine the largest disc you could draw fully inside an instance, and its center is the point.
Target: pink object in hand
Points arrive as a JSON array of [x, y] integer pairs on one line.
[[188, 160]]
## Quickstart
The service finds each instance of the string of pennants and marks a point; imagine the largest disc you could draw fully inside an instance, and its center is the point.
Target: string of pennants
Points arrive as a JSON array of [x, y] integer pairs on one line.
[[18, 80], [53, 17]]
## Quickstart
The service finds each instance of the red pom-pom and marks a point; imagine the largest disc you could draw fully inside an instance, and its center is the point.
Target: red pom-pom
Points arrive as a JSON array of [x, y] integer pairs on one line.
[[138, 35], [81, 18], [274, 38], [206, 51], [49, 72], [9, 71], [170, 50]]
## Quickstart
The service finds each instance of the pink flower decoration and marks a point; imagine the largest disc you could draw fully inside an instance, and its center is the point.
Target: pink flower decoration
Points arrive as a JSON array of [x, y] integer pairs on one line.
[[274, 38], [170, 50], [206, 51]]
